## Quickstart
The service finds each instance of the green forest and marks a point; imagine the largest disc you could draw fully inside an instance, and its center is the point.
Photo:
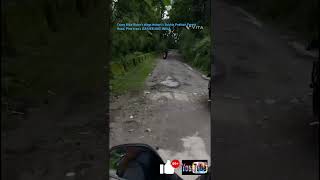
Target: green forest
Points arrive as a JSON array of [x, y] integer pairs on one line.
[[55, 49], [56, 39], [193, 44], [135, 51]]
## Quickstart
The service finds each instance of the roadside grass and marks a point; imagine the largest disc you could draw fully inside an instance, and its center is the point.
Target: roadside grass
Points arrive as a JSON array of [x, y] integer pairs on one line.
[[69, 62], [134, 79]]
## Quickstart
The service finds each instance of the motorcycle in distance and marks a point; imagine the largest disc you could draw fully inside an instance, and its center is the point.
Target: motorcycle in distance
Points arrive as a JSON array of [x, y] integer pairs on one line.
[[139, 162], [165, 54]]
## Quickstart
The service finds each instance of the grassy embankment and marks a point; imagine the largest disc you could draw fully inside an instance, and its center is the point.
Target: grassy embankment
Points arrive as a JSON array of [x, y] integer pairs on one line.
[[134, 78]]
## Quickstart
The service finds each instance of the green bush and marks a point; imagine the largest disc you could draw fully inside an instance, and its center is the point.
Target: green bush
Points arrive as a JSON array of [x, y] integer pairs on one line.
[[185, 45], [202, 54], [128, 62], [198, 52]]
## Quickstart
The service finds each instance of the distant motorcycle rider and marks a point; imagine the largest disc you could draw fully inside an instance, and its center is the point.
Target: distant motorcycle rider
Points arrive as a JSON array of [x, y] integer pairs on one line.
[[165, 53], [164, 46]]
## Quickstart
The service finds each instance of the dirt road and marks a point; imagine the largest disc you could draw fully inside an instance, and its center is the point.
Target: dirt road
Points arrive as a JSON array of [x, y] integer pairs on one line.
[[262, 107], [172, 114], [261, 110]]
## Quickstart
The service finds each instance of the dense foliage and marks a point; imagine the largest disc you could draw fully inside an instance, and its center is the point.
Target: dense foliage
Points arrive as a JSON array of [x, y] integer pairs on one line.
[[194, 44], [128, 45]]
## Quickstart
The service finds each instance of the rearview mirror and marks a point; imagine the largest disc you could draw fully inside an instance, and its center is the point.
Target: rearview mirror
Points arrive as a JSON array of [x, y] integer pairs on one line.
[[134, 161]]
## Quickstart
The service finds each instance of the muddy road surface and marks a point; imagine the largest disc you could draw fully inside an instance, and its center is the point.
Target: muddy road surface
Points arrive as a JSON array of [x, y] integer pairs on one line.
[[262, 106], [171, 114]]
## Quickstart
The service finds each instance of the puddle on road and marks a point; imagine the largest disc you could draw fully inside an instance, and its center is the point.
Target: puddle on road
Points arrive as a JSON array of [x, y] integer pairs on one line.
[[194, 148], [170, 82]]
